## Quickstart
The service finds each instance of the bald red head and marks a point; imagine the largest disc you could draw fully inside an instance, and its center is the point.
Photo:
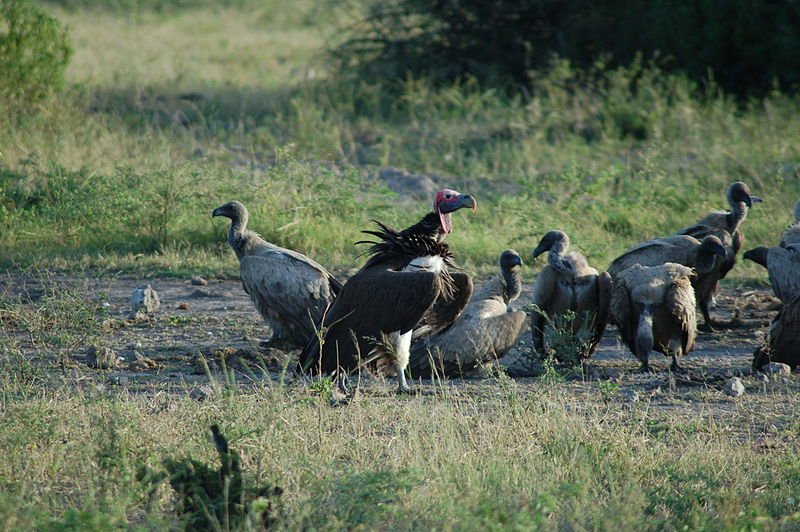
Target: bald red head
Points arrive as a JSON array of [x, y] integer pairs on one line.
[[448, 201]]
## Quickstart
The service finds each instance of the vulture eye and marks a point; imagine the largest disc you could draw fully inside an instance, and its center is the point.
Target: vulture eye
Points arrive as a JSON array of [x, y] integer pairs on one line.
[[447, 196]]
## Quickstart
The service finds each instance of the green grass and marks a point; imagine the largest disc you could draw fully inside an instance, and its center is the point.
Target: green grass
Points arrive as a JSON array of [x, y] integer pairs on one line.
[[174, 111]]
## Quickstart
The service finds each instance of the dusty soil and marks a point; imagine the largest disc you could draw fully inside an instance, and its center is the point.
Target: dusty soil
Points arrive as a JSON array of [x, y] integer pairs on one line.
[[164, 349]]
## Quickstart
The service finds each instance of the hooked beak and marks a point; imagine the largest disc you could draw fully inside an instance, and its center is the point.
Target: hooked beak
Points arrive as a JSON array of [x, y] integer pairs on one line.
[[538, 251], [463, 200], [754, 199], [217, 212]]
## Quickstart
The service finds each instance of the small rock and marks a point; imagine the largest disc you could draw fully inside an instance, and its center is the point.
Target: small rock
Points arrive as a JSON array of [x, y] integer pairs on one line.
[[417, 186], [135, 346], [201, 393], [137, 315], [184, 306], [776, 368], [146, 299], [199, 281], [615, 375], [119, 380], [733, 387], [100, 357], [761, 378], [220, 276]]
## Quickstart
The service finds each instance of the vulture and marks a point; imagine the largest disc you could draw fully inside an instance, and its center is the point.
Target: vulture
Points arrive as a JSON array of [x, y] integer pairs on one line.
[[792, 233], [569, 284], [782, 344], [724, 225], [404, 284], [654, 308], [485, 331], [680, 249], [783, 266], [289, 290]]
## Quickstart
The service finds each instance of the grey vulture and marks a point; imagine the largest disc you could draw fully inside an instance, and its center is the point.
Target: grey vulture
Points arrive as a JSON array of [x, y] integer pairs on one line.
[[568, 285], [654, 308], [783, 266], [680, 249], [404, 284], [792, 233], [289, 290], [726, 226], [781, 342], [485, 331]]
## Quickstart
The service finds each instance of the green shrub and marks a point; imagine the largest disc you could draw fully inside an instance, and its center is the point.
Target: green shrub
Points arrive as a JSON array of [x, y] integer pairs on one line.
[[34, 50]]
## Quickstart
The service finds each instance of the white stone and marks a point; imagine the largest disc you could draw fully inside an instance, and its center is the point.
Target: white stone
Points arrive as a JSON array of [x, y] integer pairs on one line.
[[733, 387]]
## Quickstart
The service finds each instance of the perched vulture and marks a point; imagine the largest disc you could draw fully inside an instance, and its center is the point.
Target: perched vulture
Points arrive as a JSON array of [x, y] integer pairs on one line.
[[792, 233], [289, 290], [680, 249], [726, 226], [782, 344], [485, 331], [783, 266], [566, 284], [404, 284], [654, 308]]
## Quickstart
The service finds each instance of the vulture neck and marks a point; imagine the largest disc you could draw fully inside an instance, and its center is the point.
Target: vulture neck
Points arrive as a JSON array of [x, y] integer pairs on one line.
[[237, 235], [736, 216], [705, 261], [513, 285], [556, 256], [429, 226]]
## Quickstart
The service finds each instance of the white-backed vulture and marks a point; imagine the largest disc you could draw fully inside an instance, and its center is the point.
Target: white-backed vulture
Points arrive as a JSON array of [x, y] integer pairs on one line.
[[726, 226], [680, 249], [654, 308], [783, 266], [568, 284], [781, 342], [792, 233], [404, 283], [289, 290], [485, 331]]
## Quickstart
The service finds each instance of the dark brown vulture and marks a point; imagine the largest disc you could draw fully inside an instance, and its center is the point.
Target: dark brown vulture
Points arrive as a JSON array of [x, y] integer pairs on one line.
[[289, 290], [567, 284], [781, 342], [654, 308], [792, 233], [404, 284], [783, 266], [484, 332], [726, 226]]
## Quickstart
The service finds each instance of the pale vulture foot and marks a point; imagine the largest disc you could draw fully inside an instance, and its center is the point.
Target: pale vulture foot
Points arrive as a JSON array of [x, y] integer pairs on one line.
[[402, 386]]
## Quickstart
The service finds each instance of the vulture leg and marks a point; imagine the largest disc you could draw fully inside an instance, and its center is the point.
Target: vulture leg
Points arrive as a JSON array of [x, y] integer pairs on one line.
[[675, 367], [538, 323], [402, 354], [644, 340]]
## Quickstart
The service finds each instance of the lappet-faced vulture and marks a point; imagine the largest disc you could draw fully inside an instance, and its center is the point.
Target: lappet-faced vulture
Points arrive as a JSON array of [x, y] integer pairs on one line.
[[485, 331], [783, 266], [289, 290], [654, 308], [566, 284], [404, 283], [726, 226]]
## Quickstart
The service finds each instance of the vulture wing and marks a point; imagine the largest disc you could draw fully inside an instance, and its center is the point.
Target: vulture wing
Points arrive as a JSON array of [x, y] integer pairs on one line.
[[602, 309], [543, 291], [374, 302], [447, 309], [783, 333], [624, 314], [680, 304], [784, 272], [292, 292], [675, 248]]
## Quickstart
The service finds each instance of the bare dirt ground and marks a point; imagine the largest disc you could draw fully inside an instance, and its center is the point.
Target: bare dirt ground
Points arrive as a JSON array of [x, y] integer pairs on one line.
[[218, 319]]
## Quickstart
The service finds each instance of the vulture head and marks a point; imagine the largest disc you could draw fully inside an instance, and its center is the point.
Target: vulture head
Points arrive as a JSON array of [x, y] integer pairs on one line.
[[235, 210], [738, 192], [556, 240], [758, 255], [448, 201], [710, 247], [510, 259]]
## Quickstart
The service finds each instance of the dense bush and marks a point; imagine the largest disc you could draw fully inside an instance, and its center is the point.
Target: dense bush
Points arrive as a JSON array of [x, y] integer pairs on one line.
[[34, 50], [746, 46]]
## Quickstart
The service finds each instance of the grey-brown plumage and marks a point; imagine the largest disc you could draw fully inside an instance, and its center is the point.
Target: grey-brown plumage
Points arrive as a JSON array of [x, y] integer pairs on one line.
[[792, 233], [781, 342], [783, 266], [289, 290], [726, 226], [405, 282], [569, 284], [485, 331], [654, 308], [680, 249]]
